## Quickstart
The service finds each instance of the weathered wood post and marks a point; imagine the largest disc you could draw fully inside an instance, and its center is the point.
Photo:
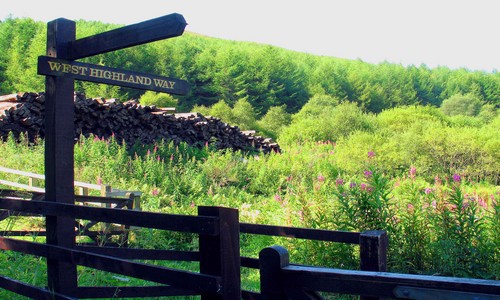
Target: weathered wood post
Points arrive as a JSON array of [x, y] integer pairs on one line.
[[220, 254], [271, 260], [373, 252], [59, 155], [61, 70]]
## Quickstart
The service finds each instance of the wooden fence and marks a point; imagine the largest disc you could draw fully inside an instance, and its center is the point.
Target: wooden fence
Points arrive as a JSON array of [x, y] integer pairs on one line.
[[219, 276], [109, 197], [280, 280], [218, 255], [83, 188]]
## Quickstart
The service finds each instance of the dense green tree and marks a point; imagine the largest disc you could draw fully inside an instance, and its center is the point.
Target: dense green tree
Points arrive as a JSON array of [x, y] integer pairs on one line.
[[460, 104], [244, 115], [273, 122]]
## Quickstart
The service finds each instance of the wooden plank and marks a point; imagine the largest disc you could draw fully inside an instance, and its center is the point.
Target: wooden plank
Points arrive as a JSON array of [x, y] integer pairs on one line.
[[302, 233], [132, 35], [380, 284], [59, 156], [30, 291], [21, 173], [220, 255], [131, 292], [22, 186], [113, 76], [144, 254], [193, 224], [177, 278]]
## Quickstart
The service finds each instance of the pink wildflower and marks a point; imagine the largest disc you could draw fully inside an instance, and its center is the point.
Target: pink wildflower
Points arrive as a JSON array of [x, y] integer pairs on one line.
[[352, 185], [368, 174], [321, 178], [413, 172], [154, 192], [339, 181], [277, 198], [427, 191], [410, 207], [457, 178], [371, 154]]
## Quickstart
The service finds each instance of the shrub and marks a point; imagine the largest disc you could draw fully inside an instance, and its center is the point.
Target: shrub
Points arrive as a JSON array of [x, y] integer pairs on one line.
[[275, 120], [158, 99], [459, 104]]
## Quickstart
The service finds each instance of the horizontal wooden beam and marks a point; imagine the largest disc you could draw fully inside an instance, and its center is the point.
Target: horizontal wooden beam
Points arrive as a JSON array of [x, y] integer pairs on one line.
[[302, 233], [131, 292], [177, 278], [29, 290], [380, 284], [132, 35], [181, 223], [143, 254]]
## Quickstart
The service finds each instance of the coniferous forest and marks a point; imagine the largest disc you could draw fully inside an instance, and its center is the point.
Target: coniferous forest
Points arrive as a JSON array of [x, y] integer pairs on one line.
[[409, 149]]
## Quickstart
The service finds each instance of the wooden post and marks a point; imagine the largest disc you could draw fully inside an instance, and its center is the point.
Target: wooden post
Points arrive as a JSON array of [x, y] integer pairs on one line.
[[271, 260], [59, 155], [220, 254], [33, 182], [373, 252], [83, 191]]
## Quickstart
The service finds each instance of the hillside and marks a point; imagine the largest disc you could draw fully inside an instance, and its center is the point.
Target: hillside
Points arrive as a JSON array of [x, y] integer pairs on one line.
[[265, 76]]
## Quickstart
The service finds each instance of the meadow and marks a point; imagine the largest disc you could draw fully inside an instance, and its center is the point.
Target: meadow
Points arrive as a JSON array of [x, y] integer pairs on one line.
[[427, 179]]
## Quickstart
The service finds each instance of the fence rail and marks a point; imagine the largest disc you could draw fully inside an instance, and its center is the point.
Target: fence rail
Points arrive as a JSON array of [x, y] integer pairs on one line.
[[280, 280], [219, 277], [219, 259], [83, 187]]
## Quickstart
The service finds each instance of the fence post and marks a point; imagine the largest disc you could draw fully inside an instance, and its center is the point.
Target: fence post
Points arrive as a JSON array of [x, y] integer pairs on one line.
[[373, 252], [33, 182], [271, 260], [59, 156], [220, 254]]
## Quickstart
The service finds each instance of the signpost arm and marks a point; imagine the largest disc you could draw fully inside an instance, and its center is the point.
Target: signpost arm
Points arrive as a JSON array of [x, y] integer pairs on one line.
[[59, 155], [132, 35]]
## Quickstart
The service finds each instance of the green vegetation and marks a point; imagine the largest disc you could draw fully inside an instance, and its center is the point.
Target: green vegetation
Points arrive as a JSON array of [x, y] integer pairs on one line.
[[431, 182], [158, 99], [413, 151], [265, 76]]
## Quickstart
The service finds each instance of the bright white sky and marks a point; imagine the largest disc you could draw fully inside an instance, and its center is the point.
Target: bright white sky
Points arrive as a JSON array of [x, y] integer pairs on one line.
[[452, 33]]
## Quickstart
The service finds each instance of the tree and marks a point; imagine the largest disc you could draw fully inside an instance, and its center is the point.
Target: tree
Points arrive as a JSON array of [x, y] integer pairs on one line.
[[460, 104], [223, 111], [274, 121], [244, 115], [158, 99]]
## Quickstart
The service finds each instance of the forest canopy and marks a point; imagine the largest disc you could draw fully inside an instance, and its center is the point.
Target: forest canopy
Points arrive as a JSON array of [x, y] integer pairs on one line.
[[263, 76]]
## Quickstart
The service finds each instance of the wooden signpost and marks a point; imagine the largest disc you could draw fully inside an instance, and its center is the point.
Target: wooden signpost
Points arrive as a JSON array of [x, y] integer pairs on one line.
[[61, 70]]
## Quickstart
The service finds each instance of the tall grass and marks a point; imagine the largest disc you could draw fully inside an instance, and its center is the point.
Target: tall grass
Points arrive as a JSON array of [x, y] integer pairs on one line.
[[447, 225]]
